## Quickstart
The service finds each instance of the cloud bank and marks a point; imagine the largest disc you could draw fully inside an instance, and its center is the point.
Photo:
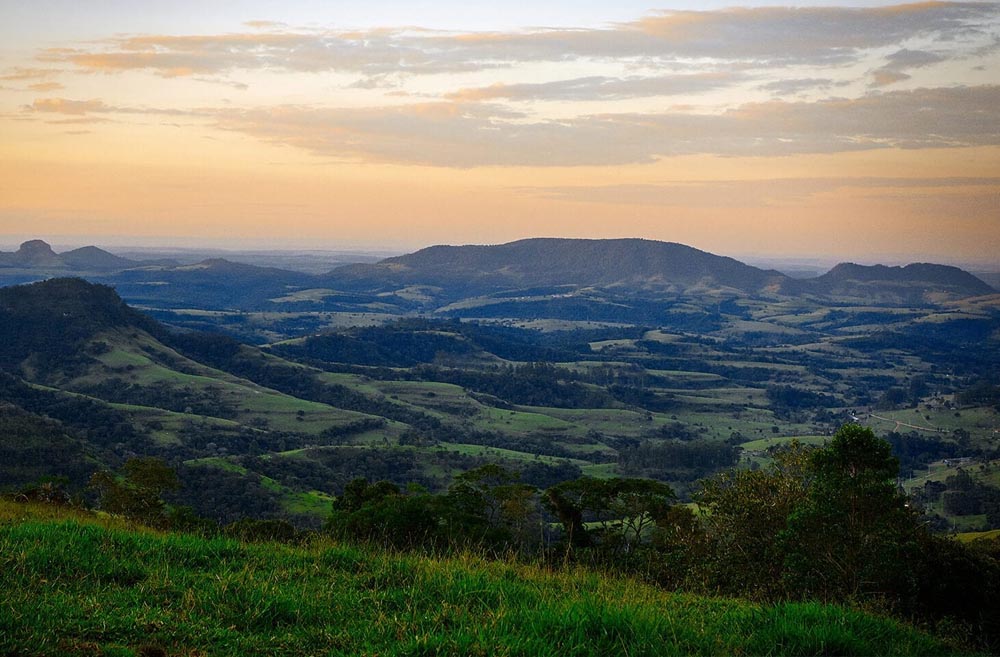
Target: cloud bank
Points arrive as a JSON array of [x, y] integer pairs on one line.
[[735, 82]]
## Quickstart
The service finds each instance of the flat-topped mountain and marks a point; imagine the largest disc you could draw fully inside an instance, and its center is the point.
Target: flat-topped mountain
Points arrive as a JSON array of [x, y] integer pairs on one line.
[[542, 262], [37, 254], [919, 272], [914, 283]]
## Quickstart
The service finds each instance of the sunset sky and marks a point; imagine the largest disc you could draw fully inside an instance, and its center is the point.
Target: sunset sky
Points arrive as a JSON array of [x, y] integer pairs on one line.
[[861, 130]]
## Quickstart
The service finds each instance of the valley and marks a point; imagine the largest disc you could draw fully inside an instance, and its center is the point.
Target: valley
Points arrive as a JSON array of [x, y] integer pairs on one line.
[[270, 393]]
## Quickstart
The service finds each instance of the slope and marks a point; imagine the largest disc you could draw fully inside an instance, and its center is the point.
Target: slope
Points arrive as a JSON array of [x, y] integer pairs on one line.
[[75, 584]]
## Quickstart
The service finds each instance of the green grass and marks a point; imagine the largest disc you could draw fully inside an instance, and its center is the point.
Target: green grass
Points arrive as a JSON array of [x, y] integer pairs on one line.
[[219, 462], [968, 537], [766, 443], [617, 421], [499, 452], [256, 404], [83, 586], [313, 503], [601, 470], [520, 422]]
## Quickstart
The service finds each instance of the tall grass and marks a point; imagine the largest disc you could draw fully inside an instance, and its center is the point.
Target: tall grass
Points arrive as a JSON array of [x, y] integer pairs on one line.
[[73, 585]]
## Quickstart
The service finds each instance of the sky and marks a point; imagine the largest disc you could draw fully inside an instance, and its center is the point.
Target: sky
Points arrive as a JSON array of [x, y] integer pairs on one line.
[[863, 130]]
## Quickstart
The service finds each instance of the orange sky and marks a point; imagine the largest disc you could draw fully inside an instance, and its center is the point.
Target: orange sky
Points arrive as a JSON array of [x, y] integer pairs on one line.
[[786, 137]]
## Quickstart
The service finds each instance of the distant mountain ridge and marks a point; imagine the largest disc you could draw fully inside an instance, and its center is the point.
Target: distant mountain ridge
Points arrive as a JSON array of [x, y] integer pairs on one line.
[[606, 279]]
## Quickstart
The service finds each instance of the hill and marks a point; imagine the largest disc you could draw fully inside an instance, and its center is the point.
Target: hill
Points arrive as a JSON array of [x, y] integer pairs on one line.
[[548, 262], [276, 431], [36, 254], [56, 317], [633, 281], [77, 584], [915, 283], [257, 434]]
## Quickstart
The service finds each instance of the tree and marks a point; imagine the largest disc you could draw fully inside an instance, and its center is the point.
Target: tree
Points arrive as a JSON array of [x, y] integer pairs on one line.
[[743, 513], [136, 493], [621, 512], [854, 536], [358, 492], [493, 504]]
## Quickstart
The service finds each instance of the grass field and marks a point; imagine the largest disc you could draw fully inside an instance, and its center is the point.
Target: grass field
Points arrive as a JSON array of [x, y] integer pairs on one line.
[[255, 404], [79, 585], [766, 443], [968, 537]]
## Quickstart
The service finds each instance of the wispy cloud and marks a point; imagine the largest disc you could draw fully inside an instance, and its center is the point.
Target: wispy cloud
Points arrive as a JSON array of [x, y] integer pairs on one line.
[[793, 86], [477, 134], [901, 61], [95, 106], [601, 88], [810, 33], [68, 106], [776, 35], [46, 86], [19, 73]]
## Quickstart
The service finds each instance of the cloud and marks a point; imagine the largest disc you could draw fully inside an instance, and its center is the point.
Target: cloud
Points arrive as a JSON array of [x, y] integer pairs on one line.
[[732, 54], [883, 77], [264, 25], [74, 107], [46, 86], [797, 85], [785, 35], [600, 88], [809, 33], [775, 35], [480, 134], [20, 73], [903, 60], [87, 108], [373, 53]]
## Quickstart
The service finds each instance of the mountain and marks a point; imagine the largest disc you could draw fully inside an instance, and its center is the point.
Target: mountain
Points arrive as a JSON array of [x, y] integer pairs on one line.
[[57, 316], [914, 283], [37, 254], [632, 281], [93, 258], [548, 262]]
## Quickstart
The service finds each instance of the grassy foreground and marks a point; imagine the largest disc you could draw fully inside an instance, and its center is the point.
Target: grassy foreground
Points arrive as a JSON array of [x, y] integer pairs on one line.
[[71, 584]]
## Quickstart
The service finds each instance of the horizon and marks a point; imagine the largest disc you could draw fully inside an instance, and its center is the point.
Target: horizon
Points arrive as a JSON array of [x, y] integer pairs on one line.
[[864, 131], [791, 262]]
